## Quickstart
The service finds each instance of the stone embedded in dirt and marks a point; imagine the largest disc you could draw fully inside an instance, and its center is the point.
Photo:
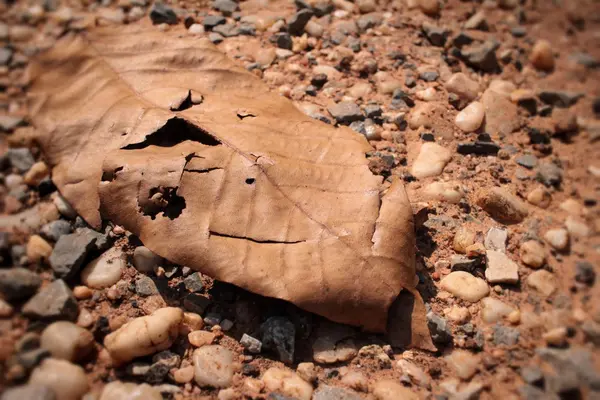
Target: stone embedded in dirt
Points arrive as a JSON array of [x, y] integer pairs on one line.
[[585, 273], [67, 341], [541, 55], [334, 344], [145, 261], [67, 381], [145, 286], [193, 282], [163, 14], [461, 85], [431, 160], [477, 21], [55, 301], [144, 335], [557, 238], [542, 281], [36, 174], [471, 117], [501, 114], [556, 337], [105, 270], [527, 160], [436, 35], [325, 392], [346, 112], [201, 338], [560, 99], [214, 366], [298, 21], [279, 335], [117, 390], [482, 56], [500, 268], [493, 310], [495, 239], [416, 373], [392, 390], [64, 208], [465, 286], [449, 192], [18, 283], [479, 147], [532, 254], [287, 383], [462, 263], [501, 205], [20, 158], [464, 363], [550, 174], [439, 329], [368, 21], [71, 251], [29, 392], [505, 335], [55, 229], [251, 344], [576, 227], [210, 21]]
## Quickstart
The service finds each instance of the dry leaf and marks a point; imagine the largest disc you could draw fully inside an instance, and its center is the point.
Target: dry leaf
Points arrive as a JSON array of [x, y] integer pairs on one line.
[[167, 137]]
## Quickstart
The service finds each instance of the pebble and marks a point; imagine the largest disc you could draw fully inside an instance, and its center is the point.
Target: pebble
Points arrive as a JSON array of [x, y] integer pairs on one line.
[[201, 338], [482, 56], [18, 283], [501, 114], [429, 7], [55, 229], [527, 160], [325, 392], [55, 301], [29, 392], [278, 334], [443, 191], [307, 371], [36, 173], [196, 29], [541, 56], [493, 310], [439, 329], [287, 383], [471, 117], [38, 249], [117, 390], [465, 286], [68, 381], [463, 238], [502, 205], [82, 292], [415, 372], [64, 208], [392, 390], [144, 335], [532, 254], [70, 252], [214, 366], [105, 270], [298, 21], [346, 112], [500, 268], [464, 87], [85, 319], [184, 374], [252, 345], [356, 380], [145, 261], [464, 363], [431, 160], [193, 282], [459, 315], [505, 335], [576, 227], [585, 273], [540, 197], [20, 159], [495, 239], [542, 281], [549, 174], [556, 337], [557, 238], [145, 286], [334, 344], [67, 341]]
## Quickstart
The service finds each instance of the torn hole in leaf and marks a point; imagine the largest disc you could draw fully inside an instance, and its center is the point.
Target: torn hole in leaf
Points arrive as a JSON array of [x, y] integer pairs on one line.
[[165, 200], [250, 181], [175, 131], [244, 114], [109, 176], [213, 233]]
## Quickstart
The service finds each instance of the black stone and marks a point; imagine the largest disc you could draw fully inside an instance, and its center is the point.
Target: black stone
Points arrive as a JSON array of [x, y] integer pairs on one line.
[[399, 94], [549, 174], [560, 99], [210, 21], [279, 335], [373, 111], [462, 39], [436, 35], [585, 273], [163, 14], [319, 80], [427, 137], [482, 148], [482, 57], [298, 21], [323, 8], [284, 41], [196, 303], [18, 283]]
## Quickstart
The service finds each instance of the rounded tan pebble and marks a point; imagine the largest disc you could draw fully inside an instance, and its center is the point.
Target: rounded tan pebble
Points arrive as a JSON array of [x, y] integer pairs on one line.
[[540, 197], [465, 286], [193, 321], [471, 117], [464, 87], [67, 341], [558, 238], [556, 336], [184, 375], [356, 380], [460, 315], [542, 281], [532, 254], [85, 319], [307, 371], [64, 208], [252, 387], [502, 205], [493, 310], [36, 174], [38, 249], [391, 390], [82, 292], [514, 317], [430, 7], [443, 191], [541, 56], [214, 366], [431, 160], [201, 338], [287, 383], [129, 391], [105, 270], [144, 335], [463, 238], [144, 260], [463, 362], [68, 381], [228, 394]]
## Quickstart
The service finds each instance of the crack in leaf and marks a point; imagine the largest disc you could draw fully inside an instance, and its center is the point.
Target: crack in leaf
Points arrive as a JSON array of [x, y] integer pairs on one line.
[[213, 233]]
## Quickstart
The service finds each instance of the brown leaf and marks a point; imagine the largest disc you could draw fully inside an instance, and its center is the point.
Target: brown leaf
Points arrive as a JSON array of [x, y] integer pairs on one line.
[[167, 137]]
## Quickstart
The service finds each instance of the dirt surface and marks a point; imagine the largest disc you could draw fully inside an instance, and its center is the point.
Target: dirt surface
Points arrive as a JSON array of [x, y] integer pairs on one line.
[[529, 171]]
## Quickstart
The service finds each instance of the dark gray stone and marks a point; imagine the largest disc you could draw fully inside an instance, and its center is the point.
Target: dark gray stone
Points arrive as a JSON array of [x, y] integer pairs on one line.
[[247, 29], [573, 367], [251, 344], [319, 80], [5, 55], [439, 329], [20, 159], [584, 273], [482, 148], [429, 76], [436, 35], [549, 174], [226, 7], [373, 111], [29, 392], [215, 38], [210, 21], [585, 59], [284, 41], [560, 99], [279, 335], [157, 373], [18, 283], [506, 335], [323, 8], [519, 31], [71, 251], [368, 21], [359, 127], [31, 359], [55, 229], [527, 160], [482, 57], [227, 30], [163, 14], [463, 263], [193, 283], [53, 302], [298, 21], [167, 357], [145, 286], [346, 112], [196, 303], [325, 392]]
